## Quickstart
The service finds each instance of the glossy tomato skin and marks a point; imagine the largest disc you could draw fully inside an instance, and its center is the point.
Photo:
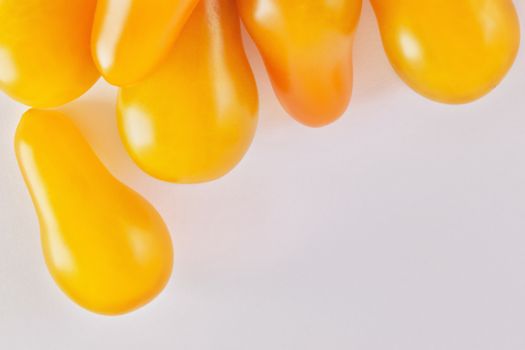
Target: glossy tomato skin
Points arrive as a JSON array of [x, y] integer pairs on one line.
[[307, 48], [106, 247], [132, 37], [45, 55], [451, 51], [195, 117]]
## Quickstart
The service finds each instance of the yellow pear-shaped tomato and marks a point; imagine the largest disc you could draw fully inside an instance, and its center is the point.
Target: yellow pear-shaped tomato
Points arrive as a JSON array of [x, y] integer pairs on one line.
[[307, 48], [106, 246], [195, 117], [452, 51], [45, 53], [131, 37]]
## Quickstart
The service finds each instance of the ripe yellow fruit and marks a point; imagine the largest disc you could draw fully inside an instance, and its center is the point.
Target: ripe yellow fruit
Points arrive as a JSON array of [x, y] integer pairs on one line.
[[195, 117], [106, 247], [452, 51], [45, 52]]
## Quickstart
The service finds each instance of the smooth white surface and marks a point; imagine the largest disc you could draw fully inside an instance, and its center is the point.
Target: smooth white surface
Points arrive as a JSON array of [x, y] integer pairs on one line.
[[402, 226]]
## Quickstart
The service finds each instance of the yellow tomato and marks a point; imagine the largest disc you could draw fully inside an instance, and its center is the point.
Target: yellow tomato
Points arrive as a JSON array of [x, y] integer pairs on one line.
[[307, 48], [452, 51], [105, 246], [195, 117], [45, 55], [131, 37]]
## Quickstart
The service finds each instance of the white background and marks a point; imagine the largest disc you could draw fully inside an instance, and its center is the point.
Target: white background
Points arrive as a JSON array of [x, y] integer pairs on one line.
[[401, 226]]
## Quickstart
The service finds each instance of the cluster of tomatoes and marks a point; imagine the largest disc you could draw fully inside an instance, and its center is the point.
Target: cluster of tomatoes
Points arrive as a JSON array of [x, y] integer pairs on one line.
[[187, 105]]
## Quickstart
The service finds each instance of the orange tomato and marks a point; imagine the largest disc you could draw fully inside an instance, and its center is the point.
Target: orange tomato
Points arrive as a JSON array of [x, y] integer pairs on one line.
[[45, 54], [131, 37], [452, 51], [195, 117], [307, 48], [106, 247]]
